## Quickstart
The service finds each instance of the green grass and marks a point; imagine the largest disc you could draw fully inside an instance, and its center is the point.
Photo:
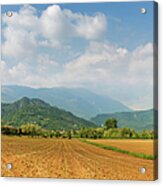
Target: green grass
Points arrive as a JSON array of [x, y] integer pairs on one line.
[[116, 149]]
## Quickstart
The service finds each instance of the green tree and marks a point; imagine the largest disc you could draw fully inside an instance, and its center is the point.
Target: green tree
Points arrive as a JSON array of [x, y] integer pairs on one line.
[[57, 134], [69, 134], [51, 133], [110, 123], [9, 130], [31, 129]]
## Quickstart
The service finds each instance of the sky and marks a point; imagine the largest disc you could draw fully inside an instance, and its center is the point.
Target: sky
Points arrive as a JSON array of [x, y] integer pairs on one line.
[[104, 47]]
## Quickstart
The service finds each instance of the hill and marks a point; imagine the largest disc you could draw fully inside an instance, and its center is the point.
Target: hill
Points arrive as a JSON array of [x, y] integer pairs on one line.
[[138, 120], [80, 102], [37, 111]]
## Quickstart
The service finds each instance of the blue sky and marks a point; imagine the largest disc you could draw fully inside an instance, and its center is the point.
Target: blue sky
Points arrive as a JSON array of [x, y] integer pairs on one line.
[[104, 47], [127, 26]]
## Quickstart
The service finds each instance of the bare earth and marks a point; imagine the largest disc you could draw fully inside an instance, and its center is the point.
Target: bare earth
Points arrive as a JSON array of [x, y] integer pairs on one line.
[[141, 146], [63, 158]]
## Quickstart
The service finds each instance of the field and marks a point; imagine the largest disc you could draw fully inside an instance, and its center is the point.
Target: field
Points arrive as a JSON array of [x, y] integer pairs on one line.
[[137, 145], [63, 158]]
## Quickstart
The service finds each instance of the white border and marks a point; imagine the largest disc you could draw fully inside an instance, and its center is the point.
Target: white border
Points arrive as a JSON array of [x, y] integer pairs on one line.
[[65, 182], [60, 1]]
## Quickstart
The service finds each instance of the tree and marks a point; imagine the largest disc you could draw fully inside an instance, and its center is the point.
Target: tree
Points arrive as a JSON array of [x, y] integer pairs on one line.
[[9, 130], [51, 133], [69, 134], [57, 134], [31, 129], [110, 123]]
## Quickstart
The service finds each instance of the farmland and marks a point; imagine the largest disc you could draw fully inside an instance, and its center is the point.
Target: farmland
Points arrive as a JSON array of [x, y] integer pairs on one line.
[[64, 158], [137, 145]]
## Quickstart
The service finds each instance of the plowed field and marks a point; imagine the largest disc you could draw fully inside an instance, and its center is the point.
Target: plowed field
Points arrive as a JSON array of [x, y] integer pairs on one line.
[[63, 158], [141, 146]]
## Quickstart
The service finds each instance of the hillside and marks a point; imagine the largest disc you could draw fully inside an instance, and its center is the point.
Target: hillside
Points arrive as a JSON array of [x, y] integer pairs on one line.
[[37, 111], [80, 102], [138, 120]]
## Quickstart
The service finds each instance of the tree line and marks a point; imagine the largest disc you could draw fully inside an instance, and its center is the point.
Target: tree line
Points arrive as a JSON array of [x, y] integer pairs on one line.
[[109, 130]]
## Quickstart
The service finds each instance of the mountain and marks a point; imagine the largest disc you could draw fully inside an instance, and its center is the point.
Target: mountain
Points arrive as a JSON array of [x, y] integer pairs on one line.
[[80, 102], [138, 120], [37, 111]]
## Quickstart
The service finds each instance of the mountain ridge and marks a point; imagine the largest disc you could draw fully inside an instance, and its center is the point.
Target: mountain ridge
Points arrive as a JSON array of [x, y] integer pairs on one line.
[[37, 111], [79, 101], [139, 120]]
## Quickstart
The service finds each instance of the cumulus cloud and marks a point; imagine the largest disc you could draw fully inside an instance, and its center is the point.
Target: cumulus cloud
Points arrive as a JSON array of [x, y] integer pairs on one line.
[[19, 71], [62, 24], [31, 45], [124, 75], [114, 71], [91, 27], [18, 43], [55, 27]]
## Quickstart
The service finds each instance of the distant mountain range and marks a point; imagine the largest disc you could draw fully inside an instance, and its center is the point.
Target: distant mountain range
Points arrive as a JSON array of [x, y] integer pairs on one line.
[[80, 102], [37, 111], [138, 120], [34, 110]]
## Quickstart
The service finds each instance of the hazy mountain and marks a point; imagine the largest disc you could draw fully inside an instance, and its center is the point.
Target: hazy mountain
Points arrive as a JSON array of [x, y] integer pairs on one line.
[[80, 102], [138, 120], [37, 111]]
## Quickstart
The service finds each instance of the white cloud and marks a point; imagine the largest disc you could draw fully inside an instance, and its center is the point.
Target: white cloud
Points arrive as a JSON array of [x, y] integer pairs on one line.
[[125, 75], [91, 27], [3, 68], [19, 43], [59, 25], [11, 75], [46, 66], [26, 18], [141, 67], [99, 60], [31, 43], [55, 26], [19, 33], [25, 30], [42, 74]]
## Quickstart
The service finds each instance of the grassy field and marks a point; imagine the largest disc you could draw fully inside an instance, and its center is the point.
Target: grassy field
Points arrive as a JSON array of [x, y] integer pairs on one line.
[[63, 158]]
